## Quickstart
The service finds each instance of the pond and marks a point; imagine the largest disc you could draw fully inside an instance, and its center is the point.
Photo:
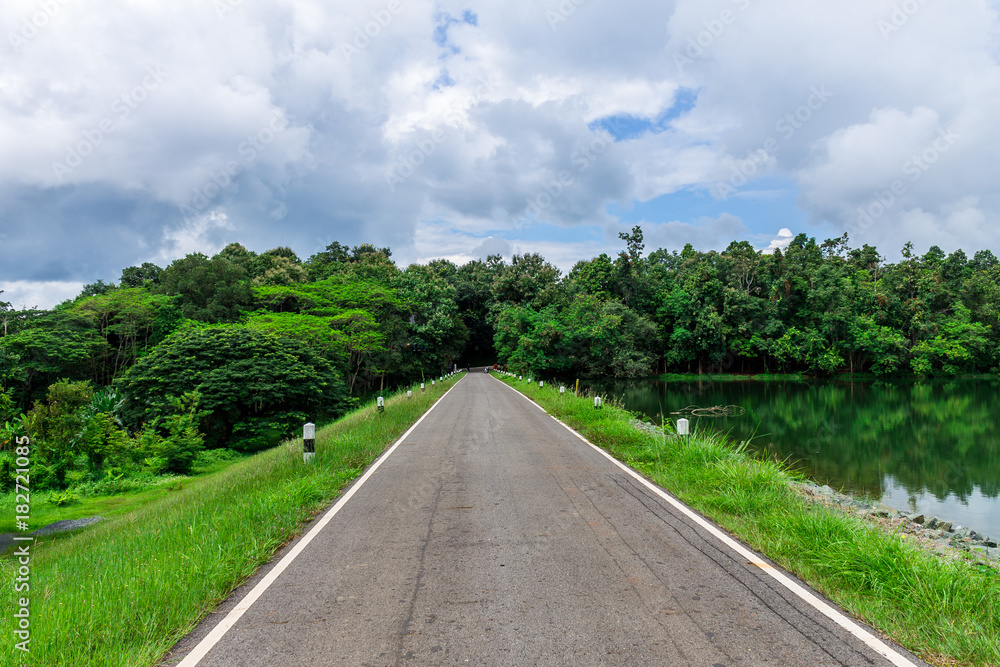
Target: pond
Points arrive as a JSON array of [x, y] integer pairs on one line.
[[931, 447]]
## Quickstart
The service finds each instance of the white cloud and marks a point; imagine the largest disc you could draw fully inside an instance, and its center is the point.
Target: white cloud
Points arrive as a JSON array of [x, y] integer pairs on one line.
[[25, 294], [781, 241], [205, 234], [485, 124]]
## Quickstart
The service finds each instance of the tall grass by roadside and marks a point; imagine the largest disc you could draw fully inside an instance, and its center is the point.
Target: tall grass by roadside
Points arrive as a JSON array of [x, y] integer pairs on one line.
[[124, 591], [945, 611]]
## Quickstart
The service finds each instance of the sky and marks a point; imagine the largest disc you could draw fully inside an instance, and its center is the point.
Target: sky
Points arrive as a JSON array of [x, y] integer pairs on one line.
[[138, 130]]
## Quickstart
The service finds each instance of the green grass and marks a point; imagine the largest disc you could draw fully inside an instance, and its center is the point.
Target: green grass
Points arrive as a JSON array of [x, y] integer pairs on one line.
[[124, 591], [947, 612], [148, 489]]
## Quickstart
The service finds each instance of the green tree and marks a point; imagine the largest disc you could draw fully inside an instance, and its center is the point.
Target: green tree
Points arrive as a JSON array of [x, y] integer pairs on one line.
[[210, 290], [49, 346], [55, 426], [147, 275], [241, 373], [131, 320]]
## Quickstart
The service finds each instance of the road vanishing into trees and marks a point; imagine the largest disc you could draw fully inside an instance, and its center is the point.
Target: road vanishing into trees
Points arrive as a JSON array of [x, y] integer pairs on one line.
[[493, 535]]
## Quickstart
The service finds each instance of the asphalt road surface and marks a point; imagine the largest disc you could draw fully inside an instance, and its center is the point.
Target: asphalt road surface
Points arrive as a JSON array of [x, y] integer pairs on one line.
[[494, 536]]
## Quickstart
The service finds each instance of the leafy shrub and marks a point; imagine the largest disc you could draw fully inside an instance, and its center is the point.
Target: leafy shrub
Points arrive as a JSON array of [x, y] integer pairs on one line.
[[7, 467], [175, 451], [63, 498], [54, 426]]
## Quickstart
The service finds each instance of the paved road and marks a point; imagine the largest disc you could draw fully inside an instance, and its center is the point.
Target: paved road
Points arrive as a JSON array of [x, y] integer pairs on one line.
[[494, 536]]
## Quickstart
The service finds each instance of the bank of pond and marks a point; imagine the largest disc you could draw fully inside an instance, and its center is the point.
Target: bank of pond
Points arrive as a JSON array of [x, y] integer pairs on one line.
[[928, 446]]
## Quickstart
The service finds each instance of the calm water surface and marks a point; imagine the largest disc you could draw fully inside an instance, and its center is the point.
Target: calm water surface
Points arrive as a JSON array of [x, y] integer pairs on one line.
[[930, 447]]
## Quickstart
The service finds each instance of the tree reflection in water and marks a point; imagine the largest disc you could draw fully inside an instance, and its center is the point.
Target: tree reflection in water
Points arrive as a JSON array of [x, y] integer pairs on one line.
[[928, 441]]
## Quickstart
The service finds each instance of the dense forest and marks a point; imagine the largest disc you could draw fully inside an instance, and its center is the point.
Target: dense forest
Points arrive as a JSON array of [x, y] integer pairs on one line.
[[239, 349]]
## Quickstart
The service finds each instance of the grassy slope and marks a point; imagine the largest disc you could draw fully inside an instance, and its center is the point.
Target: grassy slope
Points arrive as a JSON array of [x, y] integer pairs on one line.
[[946, 612], [44, 512], [124, 591]]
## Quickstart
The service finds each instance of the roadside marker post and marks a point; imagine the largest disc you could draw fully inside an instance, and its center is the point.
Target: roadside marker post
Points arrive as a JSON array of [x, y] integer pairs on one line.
[[409, 393], [598, 403], [683, 427], [562, 389], [381, 404], [308, 442]]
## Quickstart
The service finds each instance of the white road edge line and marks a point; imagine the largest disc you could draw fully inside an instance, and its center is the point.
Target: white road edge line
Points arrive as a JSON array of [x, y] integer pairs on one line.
[[213, 637], [807, 596]]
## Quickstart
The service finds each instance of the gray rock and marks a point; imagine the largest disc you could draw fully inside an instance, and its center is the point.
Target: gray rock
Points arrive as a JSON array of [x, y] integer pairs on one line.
[[916, 518], [931, 522], [993, 554], [68, 524], [7, 539], [961, 532], [944, 526]]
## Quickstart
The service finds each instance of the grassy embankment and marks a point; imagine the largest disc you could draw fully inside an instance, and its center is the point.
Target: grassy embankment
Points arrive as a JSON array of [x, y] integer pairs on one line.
[[109, 504], [124, 591], [947, 612]]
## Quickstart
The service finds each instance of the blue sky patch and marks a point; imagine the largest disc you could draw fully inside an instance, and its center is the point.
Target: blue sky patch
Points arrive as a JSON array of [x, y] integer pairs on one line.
[[765, 207], [624, 127], [445, 20]]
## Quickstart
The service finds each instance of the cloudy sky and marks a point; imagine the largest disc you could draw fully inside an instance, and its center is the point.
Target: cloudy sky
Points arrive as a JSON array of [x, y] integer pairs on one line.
[[138, 130]]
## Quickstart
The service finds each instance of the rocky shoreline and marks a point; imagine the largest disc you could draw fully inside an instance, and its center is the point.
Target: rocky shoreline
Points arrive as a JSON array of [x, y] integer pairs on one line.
[[928, 533]]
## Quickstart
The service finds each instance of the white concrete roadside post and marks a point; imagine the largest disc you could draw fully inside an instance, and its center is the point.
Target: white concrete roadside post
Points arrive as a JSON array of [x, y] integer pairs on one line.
[[541, 383], [308, 442], [683, 427], [562, 389], [380, 402], [409, 393], [421, 386], [597, 402]]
